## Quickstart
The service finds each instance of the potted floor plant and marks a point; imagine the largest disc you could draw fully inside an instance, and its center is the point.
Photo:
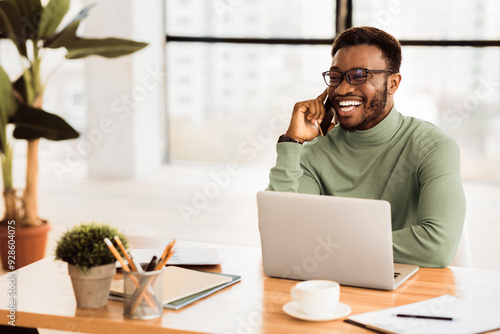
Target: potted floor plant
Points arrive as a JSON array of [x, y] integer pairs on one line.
[[34, 28], [91, 265]]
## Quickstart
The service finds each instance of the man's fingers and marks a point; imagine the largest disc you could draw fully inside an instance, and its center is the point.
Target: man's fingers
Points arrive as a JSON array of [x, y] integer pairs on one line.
[[307, 117], [313, 109], [320, 110]]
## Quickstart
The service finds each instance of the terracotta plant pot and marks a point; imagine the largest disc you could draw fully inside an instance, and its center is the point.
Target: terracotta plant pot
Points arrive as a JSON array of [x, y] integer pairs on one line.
[[92, 288], [30, 244]]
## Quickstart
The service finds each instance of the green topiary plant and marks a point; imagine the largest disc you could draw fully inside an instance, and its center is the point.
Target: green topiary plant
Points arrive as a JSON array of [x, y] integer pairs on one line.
[[83, 245]]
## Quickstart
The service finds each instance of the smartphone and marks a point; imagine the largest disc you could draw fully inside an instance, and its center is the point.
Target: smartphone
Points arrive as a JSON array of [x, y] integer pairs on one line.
[[329, 115]]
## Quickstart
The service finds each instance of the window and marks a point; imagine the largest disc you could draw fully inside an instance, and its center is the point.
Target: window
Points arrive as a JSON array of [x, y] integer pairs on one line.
[[235, 64]]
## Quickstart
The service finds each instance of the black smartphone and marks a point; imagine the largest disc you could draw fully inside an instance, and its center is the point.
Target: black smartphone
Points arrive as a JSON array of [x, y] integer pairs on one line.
[[327, 120]]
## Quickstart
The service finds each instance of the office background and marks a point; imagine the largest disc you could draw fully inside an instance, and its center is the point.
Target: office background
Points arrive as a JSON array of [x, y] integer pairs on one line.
[[176, 139]]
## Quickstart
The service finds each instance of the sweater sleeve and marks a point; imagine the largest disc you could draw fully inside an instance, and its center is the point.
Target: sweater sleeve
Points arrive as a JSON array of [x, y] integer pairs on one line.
[[288, 175], [433, 241]]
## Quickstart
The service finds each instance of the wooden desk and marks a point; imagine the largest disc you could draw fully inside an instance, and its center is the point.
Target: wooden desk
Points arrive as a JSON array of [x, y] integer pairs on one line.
[[45, 300]]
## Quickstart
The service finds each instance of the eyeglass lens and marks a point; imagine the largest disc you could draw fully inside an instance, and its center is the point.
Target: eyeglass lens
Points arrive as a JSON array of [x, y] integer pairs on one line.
[[355, 76]]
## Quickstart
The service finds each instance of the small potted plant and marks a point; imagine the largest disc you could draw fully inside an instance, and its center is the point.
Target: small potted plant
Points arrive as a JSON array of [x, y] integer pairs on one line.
[[91, 265]]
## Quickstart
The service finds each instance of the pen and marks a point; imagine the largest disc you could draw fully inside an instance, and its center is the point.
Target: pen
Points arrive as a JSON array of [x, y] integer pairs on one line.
[[151, 264], [423, 317]]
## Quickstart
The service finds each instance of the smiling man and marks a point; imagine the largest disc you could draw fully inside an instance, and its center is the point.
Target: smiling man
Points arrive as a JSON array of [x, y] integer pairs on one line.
[[376, 152]]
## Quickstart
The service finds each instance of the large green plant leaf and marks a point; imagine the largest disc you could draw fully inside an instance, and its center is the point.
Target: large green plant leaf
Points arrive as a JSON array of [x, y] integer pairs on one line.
[[8, 107], [33, 123], [82, 47], [105, 47], [30, 12], [64, 37], [52, 15], [10, 26], [68, 33]]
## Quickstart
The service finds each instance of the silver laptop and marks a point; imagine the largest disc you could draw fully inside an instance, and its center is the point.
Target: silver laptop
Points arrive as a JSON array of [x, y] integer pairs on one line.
[[348, 240]]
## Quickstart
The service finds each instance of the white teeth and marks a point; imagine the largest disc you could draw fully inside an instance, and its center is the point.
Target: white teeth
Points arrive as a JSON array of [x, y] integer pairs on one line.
[[349, 103]]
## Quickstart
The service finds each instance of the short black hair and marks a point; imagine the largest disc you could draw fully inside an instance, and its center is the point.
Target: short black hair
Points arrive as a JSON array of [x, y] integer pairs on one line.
[[388, 44]]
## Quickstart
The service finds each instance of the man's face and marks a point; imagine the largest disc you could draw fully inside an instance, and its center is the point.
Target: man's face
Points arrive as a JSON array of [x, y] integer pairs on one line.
[[361, 107]]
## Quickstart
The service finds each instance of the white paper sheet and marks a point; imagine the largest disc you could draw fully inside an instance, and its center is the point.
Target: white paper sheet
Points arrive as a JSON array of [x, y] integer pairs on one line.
[[468, 317]]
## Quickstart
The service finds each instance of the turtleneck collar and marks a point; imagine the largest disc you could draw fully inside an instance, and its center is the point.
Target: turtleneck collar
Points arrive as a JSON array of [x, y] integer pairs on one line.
[[380, 133]]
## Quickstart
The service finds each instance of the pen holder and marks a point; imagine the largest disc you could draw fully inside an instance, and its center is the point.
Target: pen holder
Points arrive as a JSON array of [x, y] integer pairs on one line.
[[143, 294]]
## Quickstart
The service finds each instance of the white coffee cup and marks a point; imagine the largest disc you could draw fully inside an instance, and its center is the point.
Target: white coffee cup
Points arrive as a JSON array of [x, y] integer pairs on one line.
[[316, 297]]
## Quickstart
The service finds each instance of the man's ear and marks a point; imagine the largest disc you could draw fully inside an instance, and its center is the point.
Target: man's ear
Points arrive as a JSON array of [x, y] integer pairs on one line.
[[393, 83]]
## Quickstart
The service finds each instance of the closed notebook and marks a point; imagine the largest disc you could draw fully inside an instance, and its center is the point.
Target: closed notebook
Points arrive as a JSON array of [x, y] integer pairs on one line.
[[179, 283]]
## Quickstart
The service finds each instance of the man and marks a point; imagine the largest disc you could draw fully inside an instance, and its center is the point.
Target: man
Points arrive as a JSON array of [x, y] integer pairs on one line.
[[376, 152]]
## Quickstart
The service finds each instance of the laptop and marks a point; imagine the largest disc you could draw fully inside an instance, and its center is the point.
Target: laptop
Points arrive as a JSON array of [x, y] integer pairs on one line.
[[347, 240]]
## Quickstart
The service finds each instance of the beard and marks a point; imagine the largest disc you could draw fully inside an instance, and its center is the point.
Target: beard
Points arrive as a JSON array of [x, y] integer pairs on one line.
[[374, 108]]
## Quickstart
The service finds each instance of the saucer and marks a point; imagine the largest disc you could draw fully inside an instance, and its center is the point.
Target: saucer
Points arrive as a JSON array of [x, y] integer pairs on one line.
[[292, 309]]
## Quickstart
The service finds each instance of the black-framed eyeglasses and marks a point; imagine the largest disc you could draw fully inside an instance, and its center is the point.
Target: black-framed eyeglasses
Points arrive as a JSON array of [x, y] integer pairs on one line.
[[354, 76]]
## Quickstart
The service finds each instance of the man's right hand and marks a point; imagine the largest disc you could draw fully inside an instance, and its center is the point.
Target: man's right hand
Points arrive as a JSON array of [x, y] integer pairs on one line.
[[305, 116]]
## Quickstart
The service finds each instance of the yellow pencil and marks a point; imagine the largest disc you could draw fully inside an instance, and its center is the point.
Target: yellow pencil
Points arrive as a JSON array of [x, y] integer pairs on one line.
[[167, 254], [164, 254], [116, 254], [124, 251]]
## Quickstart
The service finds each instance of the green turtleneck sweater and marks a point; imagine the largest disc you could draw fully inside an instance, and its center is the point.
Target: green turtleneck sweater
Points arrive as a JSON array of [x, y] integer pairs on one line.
[[403, 160]]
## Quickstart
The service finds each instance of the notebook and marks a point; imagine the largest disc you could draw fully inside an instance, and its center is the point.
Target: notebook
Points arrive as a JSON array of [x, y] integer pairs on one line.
[[183, 286], [348, 240]]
